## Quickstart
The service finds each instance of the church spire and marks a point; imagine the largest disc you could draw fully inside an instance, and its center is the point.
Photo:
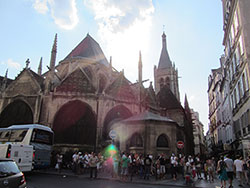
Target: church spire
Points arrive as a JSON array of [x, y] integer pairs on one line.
[[140, 69], [186, 105], [164, 61], [39, 72], [53, 57], [5, 80]]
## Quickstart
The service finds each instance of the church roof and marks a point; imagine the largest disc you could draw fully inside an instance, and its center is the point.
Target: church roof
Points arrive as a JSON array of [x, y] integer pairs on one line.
[[89, 48], [167, 99], [164, 61], [150, 97], [148, 116], [37, 77], [120, 88]]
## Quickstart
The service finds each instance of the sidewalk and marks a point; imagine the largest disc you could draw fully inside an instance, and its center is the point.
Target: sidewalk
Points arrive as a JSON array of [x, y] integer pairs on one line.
[[180, 182]]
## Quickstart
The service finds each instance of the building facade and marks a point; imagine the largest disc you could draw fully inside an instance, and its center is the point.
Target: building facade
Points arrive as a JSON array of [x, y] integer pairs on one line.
[[237, 60], [230, 125], [198, 132]]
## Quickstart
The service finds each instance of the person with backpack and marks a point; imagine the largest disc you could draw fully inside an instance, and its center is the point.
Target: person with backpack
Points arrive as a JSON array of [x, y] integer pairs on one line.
[[221, 170], [230, 169]]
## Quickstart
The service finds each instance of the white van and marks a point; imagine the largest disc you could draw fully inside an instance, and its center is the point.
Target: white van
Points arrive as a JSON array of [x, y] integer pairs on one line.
[[38, 136], [21, 154]]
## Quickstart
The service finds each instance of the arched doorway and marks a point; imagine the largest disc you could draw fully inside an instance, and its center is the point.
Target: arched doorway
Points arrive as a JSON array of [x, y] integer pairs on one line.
[[18, 112], [117, 113], [75, 123]]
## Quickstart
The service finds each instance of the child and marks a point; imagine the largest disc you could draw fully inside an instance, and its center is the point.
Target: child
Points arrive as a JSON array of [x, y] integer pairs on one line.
[[193, 169]]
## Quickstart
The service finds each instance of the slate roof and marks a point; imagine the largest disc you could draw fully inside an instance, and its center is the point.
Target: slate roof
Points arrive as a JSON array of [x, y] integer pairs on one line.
[[164, 61], [150, 97], [148, 116], [167, 99], [120, 88], [89, 48], [37, 77]]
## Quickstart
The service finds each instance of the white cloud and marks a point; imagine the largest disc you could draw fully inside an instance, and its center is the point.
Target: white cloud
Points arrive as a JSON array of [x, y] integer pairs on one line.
[[124, 29], [12, 64], [41, 6], [117, 16], [64, 12]]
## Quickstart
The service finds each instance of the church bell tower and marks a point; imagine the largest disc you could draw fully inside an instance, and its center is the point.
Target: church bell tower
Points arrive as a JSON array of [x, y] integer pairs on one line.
[[166, 74]]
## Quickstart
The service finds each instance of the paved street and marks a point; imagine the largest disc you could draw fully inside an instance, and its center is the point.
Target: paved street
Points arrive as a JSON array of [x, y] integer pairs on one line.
[[53, 179]]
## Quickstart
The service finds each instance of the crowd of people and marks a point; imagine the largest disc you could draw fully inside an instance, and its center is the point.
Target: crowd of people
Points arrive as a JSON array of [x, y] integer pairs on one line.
[[191, 168]]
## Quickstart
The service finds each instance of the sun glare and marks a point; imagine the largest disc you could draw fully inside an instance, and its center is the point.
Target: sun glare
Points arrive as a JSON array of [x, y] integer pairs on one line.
[[124, 46]]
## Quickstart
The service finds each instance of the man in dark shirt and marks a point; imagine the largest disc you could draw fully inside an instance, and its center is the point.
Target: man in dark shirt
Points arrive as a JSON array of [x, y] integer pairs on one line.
[[162, 166], [147, 164]]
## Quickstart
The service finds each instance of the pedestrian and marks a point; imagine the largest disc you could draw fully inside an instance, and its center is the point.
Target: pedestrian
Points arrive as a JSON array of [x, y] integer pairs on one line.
[[193, 170], [93, 160], [75, 158], [175, 168], [238, 164], [85, 163], [147, 165], [182, 165], [124, 167], [211, 169], [230, 170], [245, 171], [59, 160], [115, 166], [162, 166], [132, 166], [248, 166], [221, 170], [80, 163], [198, 166], [157, 167], [188, 171], [205, 169], [141, 166]]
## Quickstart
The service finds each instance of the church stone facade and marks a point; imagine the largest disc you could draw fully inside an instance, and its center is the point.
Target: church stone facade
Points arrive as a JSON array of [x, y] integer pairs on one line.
[[84, 97]]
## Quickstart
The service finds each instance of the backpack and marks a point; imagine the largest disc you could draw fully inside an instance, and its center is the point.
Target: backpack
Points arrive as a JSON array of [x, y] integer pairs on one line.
[[147, 161]]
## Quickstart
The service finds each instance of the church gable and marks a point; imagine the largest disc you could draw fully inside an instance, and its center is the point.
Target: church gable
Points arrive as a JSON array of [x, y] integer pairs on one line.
[[167, 99], [77, 81], [120, 89], [24, 84]]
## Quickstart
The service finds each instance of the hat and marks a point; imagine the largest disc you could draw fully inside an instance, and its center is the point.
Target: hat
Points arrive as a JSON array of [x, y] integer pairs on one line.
[[80, 153]]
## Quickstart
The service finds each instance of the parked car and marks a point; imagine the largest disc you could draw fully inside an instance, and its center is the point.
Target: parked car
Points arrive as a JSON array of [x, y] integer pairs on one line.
[[10, 175]]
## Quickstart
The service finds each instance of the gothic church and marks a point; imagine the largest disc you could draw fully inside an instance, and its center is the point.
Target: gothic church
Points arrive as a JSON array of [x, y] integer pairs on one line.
[[84, 97]]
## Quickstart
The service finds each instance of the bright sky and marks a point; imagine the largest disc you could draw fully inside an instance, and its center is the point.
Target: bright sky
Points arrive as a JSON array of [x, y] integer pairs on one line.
[[122, 28]]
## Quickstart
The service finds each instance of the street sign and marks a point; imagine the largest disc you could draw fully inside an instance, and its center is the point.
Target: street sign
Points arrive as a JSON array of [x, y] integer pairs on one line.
[[180, 144], [112, 134]]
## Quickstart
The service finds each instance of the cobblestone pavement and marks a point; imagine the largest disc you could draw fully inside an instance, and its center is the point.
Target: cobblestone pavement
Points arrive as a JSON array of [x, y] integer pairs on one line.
[[180, 182]]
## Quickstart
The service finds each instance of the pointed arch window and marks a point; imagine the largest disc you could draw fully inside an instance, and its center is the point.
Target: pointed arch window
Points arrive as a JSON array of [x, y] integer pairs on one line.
[[168, 81], [161, 82], [162, 141], [136, 140], [87, 71], [102, 83]]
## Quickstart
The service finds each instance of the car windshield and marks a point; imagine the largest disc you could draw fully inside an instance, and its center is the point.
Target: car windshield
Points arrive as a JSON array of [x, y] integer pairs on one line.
[[8, 168]]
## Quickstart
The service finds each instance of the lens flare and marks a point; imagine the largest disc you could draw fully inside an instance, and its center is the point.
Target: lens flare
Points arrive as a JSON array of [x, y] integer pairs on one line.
[[110, 150]]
